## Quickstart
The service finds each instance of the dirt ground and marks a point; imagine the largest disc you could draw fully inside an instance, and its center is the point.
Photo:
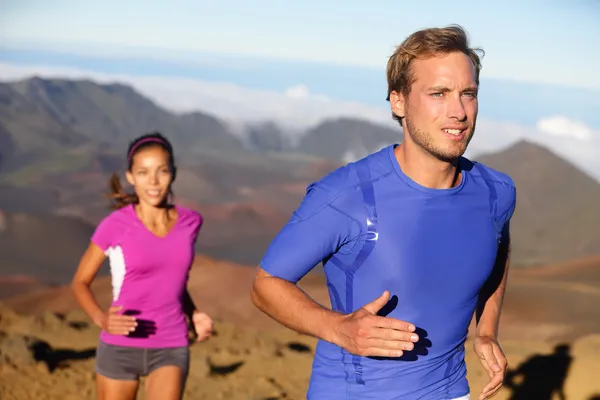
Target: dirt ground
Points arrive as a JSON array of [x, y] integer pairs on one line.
[[47, 346]]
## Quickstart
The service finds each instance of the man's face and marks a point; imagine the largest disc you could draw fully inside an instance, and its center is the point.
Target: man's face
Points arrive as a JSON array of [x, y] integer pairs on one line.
[[441, 109]]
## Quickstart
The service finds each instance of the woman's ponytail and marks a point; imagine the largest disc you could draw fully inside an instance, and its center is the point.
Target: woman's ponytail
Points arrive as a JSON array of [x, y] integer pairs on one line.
[[118, 196]]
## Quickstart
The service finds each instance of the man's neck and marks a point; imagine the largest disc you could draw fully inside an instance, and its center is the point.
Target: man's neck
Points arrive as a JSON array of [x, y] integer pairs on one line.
[[425, 169]]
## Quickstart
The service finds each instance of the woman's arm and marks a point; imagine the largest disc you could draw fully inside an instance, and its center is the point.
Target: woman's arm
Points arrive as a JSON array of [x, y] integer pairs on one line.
[[88, 268], [188, 304], [201, 323]]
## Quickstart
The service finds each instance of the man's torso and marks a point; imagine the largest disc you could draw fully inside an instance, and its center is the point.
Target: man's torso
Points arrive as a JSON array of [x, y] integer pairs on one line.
[[432, 249]]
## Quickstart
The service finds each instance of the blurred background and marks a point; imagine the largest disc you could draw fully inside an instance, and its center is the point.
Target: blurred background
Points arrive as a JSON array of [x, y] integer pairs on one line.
[[260, 99]]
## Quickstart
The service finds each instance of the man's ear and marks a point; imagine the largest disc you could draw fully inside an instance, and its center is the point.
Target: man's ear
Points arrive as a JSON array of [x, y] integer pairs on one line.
[[398, 103]]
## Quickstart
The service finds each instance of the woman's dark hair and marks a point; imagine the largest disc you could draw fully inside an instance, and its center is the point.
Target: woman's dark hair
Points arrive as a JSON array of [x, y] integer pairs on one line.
[[117, 194]]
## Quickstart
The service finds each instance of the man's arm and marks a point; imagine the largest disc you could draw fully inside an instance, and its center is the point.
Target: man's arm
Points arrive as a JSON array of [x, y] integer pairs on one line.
[[361, 332], [289, 305], [315, 232], [492, 294], [486, 345]]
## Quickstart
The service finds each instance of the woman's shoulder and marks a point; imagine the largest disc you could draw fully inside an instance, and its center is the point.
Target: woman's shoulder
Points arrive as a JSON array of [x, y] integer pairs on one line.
[[118, 216], [188, 216], [112, 227]]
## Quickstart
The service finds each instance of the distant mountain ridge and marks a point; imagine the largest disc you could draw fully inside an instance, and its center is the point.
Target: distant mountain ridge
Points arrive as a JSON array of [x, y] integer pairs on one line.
[[59, 140], [46, 114], [81, 111], [557, 217], [347, 139]]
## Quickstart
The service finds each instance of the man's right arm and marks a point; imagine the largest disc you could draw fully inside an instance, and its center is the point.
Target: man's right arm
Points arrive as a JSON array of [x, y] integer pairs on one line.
[[289, 305], [314, 233], [361, 332]]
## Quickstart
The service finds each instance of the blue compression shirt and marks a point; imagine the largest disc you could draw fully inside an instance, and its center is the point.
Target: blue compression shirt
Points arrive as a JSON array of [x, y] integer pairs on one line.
[[375, 229]]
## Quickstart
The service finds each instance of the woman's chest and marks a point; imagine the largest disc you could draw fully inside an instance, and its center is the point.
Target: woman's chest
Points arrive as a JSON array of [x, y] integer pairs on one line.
[[145, 253]]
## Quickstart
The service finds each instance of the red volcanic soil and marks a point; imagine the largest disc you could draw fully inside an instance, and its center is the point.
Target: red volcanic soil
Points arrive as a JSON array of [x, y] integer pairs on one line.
[[553, 303], [542, 307], [14, 285], [219, 287]]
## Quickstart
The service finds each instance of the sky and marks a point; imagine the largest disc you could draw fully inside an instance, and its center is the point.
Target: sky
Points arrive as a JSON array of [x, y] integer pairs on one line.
[[298, 62]]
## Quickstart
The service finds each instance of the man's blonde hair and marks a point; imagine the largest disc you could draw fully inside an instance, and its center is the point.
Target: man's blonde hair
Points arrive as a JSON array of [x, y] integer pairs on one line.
[[425, 44]]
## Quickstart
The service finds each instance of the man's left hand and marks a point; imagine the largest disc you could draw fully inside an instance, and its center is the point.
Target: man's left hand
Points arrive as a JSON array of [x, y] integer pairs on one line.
[[494, 362], [203, 325]]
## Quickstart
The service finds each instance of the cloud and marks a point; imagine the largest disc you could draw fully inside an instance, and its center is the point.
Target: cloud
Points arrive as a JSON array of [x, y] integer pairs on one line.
[[582, 151], [297, 108], [297, 92], [562, 126]]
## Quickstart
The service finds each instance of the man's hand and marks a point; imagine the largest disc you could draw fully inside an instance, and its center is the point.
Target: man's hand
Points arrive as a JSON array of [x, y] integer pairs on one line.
[[203, 325], [365, 334], [494, 362]]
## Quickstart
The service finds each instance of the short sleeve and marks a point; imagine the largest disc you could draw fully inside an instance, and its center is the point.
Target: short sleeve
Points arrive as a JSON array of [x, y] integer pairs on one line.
[[506, 217], [503, 196], [198, 221], [315, 231], [104, 234]]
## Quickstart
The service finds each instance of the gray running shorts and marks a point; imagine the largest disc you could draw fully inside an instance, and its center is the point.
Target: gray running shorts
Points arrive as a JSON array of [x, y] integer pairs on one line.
[[129, 363]]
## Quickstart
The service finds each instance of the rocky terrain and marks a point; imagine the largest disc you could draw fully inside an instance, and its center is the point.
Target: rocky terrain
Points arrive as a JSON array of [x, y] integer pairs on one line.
[[47, 345]]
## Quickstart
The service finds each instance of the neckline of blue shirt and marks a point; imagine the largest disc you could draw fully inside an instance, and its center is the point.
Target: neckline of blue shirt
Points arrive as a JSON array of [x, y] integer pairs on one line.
[[430, 191]]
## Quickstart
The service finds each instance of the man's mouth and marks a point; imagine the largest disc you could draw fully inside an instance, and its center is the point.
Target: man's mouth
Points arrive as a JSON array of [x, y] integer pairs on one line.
[[455, 133]]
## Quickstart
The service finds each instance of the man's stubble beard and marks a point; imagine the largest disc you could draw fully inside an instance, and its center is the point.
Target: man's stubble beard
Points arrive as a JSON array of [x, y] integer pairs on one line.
[[424, 140]]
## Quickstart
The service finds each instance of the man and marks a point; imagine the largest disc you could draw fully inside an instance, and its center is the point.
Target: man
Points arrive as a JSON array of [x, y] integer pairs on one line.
[[413, 239]]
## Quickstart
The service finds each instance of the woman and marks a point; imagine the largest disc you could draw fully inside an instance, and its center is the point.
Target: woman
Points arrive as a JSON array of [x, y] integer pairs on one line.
[[150, 246]]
